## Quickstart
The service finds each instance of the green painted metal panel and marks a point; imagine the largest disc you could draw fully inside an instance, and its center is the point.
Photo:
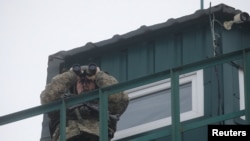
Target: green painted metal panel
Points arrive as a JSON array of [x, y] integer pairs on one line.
[[193, 49], [111, 64], [231, 41], [197, 134], [235, 39], [150, 48], [167, 52], [137, 61], [231, 90], [123, 66]]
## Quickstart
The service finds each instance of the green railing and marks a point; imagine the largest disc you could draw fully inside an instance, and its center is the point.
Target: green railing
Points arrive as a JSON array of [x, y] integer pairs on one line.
[[176, 128]]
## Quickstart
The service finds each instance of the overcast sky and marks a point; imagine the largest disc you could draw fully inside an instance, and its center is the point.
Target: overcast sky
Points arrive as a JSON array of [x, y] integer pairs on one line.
[[31, 30]]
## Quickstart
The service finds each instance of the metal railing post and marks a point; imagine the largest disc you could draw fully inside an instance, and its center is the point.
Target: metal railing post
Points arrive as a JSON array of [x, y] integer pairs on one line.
[[62, 121], [103, 115], [175, 106], [246, 55]]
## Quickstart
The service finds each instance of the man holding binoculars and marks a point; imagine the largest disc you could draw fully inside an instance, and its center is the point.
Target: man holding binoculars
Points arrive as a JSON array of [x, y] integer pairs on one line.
[[82, 121]]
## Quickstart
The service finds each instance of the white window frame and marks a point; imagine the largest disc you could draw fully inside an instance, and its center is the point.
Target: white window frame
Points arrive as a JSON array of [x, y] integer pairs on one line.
[[196, 79], [241, 89]]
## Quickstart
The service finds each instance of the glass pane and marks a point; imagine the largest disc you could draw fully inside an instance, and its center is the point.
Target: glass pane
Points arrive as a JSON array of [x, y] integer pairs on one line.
[[154, 107]]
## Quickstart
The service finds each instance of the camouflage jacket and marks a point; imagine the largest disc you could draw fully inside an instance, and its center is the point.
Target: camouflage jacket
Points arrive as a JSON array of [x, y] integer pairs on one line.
[[60, 84]]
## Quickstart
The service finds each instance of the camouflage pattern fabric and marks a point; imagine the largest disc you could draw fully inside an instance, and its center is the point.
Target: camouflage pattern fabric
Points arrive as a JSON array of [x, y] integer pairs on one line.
[[58, 86], [117, 102], [61, 84]]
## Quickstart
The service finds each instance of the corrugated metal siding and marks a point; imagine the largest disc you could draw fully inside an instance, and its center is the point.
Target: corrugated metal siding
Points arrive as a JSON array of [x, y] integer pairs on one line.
[[157, 54], [235, 39], [164, 48], [193, 47], [112, 63], [138, 61]]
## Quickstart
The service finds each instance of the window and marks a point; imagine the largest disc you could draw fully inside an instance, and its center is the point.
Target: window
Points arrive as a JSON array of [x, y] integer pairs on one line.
[[150, 105]]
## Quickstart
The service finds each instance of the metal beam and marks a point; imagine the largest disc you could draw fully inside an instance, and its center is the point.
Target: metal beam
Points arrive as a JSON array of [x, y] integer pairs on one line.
[[247, 84], [103, 115], [175, 106], [62, 121]]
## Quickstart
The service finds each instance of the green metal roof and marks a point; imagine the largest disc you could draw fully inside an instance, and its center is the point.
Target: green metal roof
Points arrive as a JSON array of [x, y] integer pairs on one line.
[[171, 25]]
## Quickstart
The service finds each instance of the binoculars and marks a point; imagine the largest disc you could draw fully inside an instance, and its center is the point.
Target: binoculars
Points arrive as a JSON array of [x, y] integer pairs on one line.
[[83, 71]]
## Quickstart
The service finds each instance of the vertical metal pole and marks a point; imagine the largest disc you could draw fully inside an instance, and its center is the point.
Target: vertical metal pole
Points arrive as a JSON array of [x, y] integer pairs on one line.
[[62, 121], [202, 4], [175, 106], [247, 84], [103, 115]]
